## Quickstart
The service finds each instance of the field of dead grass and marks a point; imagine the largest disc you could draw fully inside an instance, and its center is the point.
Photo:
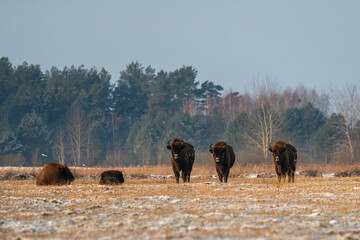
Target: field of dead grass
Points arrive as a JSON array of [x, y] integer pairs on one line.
[[237, 169], [157, 208]]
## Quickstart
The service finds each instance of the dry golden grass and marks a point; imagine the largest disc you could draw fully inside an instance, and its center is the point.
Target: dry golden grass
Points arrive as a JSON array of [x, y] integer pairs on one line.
[[237, 169], [311, 208]]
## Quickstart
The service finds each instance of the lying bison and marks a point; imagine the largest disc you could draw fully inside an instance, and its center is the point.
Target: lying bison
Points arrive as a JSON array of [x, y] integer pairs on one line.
[[112, 177], [284, 158], [182, 158], [54, 174], [224, 158]]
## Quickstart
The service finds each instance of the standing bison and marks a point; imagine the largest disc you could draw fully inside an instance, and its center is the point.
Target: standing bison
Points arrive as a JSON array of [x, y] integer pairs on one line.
[[182, 158], [284, 158], [112, 177], [54, 174], [224, 158]]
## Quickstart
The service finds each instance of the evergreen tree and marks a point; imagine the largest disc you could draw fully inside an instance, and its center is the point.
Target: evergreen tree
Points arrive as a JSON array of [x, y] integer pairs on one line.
[[161, 99], [183, 86], [8, 140], [300, 124], [6, 72], [35, 137], [132, 91], [328, 138], [28, 80], [235, 133]]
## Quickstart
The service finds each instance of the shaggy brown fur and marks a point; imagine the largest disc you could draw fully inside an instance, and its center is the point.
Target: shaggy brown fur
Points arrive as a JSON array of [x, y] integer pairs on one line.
[[182, 158], [112, 177], [54, 174], [224, 158], [284, 158]]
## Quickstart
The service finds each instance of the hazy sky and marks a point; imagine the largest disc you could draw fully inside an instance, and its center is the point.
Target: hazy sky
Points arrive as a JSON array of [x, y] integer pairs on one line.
[[311, 43]]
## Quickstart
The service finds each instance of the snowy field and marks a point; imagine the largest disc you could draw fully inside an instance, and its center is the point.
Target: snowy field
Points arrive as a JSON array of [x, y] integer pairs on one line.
[[157, 208]]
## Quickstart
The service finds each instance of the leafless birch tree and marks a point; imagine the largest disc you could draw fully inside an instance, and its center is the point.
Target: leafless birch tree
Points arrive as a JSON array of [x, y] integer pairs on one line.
[[347, 103], [59, 146], [77, 133], [264, 125]]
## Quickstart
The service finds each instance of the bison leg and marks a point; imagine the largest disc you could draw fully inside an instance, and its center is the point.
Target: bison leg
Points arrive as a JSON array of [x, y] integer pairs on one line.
[[291, 175], [226, 176], [188, 177], [183, 176], [177, 176], [293, 169], [278, 172], [219, 175], [284, 176]]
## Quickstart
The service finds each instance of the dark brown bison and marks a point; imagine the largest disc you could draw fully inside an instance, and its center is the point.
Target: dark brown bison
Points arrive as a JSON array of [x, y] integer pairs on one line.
[[224, 158], [182, 158], [54, 174], [112, 177], [284, 158]]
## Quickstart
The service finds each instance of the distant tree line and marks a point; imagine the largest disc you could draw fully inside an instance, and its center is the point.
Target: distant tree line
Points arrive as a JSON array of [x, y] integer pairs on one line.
[[77, 116]]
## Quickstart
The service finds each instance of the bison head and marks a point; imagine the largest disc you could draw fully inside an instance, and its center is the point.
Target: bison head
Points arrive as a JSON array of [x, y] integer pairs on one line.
[[276, 150], [176, 146], [65, 174], [218, 152]]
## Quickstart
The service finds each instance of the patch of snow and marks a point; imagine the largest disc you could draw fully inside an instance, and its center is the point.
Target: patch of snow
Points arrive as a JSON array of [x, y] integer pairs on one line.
[[334, 222], [329, 175], [162, 198], [251, 175], [196, 176], [315, 214]]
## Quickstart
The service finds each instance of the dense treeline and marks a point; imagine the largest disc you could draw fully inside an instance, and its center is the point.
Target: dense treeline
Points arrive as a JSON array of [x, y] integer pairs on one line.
[[77, 116]]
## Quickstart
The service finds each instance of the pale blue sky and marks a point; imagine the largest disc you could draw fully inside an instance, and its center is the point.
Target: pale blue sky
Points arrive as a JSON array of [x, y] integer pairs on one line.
[[312, 43]]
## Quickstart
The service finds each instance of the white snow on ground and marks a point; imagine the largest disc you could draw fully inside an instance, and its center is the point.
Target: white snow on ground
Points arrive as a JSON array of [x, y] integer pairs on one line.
[[328, 175], [253, 175], [186, 211]]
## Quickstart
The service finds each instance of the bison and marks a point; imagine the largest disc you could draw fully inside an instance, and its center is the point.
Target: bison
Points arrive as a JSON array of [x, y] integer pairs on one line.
[[284, 158], [54, 174], [224, 158], [182, 158], [112, 177]]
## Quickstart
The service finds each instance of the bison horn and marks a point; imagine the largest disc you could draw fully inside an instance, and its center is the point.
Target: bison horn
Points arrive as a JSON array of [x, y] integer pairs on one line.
[[169, 141], [210, 146]]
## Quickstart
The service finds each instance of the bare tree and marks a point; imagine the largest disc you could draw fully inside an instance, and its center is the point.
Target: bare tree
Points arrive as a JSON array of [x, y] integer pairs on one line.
[[35, 157], [286, 99], [347, 103], [59, 146], [322, 103], [190, 106], [77, 133], [211, 102], [264, 125]]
